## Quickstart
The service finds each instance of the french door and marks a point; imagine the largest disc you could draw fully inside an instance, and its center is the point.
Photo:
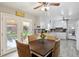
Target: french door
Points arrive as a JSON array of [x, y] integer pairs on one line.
[[26, 30], [9, 31], [13, 28]]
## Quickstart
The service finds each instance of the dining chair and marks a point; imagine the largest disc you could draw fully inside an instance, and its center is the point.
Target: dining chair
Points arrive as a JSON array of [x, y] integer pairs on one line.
[[23, 49], [32, 38], [51, 37], [56, 51]]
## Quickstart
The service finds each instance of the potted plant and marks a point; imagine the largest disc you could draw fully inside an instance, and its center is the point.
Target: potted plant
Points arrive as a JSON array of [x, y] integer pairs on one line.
[[25, 34], [42, 37]]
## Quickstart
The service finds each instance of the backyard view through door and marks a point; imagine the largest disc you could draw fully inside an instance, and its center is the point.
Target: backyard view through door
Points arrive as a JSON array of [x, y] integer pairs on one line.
[[11, 34]]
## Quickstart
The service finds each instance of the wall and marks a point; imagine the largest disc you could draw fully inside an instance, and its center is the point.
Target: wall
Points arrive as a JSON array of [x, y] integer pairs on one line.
[[0, 35], [13, 11], [77, 35], [71, 23]]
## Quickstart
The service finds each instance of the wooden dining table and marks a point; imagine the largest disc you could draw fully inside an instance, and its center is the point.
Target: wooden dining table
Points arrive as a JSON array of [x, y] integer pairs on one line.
[[42, 48]]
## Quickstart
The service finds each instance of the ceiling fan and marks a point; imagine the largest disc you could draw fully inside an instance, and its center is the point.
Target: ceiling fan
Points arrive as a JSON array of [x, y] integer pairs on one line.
[[46, 4]]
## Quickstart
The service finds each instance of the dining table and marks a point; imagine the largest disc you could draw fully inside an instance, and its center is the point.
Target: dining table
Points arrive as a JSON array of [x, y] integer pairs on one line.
[[42, 47]]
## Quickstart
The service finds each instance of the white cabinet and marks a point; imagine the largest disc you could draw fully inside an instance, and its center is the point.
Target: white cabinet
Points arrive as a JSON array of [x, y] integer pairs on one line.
[[60, 35], [70, 36], [11, 28], [60, 24]]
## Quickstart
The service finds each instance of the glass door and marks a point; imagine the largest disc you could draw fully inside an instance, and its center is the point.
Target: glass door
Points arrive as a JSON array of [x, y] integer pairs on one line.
[[13, 28], [25, 31], [11, 33]]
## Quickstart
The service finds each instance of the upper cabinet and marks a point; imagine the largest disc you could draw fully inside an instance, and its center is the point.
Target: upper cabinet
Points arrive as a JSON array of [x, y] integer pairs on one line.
[[60, 24], [46, 22]]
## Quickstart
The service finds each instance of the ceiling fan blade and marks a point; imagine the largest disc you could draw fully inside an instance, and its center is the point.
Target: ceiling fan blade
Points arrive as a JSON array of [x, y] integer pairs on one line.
[[38, 6], [40, 2], [54, 4]]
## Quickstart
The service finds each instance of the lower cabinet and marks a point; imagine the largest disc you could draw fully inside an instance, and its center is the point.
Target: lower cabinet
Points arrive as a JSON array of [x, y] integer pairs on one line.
[[60, 35]]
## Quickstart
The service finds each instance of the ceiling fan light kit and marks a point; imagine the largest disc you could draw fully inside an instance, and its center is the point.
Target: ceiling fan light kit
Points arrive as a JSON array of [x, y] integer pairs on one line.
[[45, 8]]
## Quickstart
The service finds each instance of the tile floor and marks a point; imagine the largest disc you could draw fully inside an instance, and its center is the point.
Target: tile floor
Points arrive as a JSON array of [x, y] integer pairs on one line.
[[68, 48]]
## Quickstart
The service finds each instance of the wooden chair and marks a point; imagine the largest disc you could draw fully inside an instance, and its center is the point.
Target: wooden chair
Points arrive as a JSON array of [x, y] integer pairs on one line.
[[31, 38], [23, 49], [51, 37], [56, 51]]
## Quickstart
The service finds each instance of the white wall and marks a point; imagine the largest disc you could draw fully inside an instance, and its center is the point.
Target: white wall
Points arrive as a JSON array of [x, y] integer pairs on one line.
[[9, 10], [71, 23], [0, 35], [13, 11], [77, 35]]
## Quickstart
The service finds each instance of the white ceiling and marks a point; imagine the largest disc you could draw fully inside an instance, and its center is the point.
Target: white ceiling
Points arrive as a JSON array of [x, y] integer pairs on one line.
[[67, 7]]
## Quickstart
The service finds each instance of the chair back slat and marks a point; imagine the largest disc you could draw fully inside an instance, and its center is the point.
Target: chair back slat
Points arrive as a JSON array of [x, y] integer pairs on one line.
[[31, 38]]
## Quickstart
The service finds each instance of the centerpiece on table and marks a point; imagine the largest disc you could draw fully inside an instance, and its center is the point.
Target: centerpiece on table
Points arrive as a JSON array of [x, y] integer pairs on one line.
[[42, 37]]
